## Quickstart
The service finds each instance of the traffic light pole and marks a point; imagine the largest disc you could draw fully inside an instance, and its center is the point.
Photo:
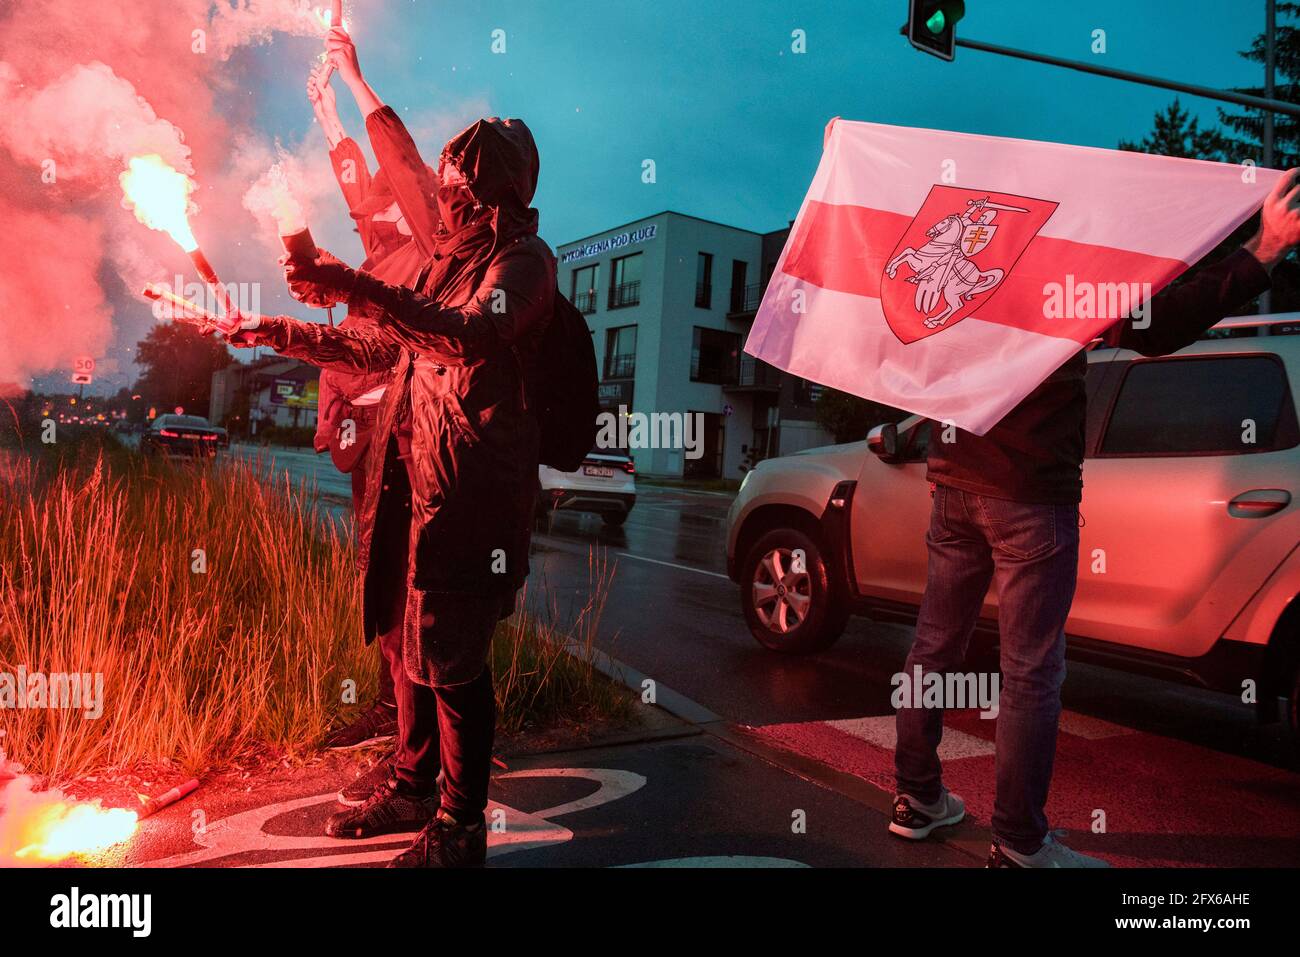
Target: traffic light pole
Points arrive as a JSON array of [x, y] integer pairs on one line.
[[1268, 105], [1270, 67]]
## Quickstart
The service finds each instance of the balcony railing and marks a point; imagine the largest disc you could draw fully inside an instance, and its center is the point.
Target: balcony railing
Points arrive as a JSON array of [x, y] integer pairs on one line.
[[703, 295], [746, 299], [755, 374], [620, 366], [625, 294], [585, 302]]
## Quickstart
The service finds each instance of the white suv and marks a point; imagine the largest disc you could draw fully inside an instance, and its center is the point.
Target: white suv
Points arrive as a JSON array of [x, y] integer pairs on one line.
[[1189, 558], [605, 483]]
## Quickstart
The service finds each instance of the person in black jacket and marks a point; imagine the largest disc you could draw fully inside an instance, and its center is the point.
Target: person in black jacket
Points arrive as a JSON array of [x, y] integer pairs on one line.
[[397, 246], [1006, 510], [452, 468]]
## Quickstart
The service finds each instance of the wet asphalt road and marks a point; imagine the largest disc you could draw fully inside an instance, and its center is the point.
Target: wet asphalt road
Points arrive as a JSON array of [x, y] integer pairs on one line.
[[781, 760], [672, 614]]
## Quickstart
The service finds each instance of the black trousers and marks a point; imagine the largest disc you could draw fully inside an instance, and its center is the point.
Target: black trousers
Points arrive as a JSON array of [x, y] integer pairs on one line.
[[446, 728], [389, 650]]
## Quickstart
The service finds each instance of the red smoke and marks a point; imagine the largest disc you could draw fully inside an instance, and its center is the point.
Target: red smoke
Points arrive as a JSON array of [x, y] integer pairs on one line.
[[83, 86], [53, 305]]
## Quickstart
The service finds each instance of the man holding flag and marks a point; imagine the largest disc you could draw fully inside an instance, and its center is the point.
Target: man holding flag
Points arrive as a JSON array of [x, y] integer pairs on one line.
[[943, 313], [1006, 509]]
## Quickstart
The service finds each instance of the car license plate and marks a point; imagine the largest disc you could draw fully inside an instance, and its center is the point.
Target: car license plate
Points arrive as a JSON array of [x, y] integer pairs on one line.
[[598, 471]]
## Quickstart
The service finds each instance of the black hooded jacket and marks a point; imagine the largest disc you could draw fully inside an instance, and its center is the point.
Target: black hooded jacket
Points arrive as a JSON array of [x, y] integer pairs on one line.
[[460, 348]]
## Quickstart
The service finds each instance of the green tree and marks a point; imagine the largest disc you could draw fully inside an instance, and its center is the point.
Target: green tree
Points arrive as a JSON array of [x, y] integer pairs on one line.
[[1248, 127], [848, 417], [1177, 133], [177, 363], [1248, 133]]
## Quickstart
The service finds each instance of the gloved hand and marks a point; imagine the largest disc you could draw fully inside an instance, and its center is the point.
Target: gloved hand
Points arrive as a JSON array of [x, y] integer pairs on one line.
[[253, 330], [322, 283]]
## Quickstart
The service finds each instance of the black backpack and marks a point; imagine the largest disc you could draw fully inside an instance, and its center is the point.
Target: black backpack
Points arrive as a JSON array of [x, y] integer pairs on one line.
[[562, 389]]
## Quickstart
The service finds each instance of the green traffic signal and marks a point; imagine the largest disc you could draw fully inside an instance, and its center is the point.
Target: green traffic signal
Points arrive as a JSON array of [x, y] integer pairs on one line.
[[932, 25]]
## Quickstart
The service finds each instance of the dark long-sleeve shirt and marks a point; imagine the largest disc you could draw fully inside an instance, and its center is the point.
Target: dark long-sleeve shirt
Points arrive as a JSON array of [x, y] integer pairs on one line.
[[414, 187], [415, 193], [1035, 453]]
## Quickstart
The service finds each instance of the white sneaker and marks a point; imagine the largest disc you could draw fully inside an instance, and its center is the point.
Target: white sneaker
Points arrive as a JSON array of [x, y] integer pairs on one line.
[[914, 820], [1052, 854]]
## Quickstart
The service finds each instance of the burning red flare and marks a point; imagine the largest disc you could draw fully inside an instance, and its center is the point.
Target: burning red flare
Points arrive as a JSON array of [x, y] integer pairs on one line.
[[42, 827], [160, 197], [72, 829]]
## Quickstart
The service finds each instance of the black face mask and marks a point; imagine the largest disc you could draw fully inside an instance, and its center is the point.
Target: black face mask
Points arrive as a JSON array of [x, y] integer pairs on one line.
[[457, 207]]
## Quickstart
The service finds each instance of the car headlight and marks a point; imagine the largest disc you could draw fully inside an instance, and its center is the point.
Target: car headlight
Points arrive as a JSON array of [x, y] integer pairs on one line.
[[745, 480]]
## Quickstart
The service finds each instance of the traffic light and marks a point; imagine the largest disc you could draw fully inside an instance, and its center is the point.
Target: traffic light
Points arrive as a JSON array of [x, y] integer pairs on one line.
[[932, 26]]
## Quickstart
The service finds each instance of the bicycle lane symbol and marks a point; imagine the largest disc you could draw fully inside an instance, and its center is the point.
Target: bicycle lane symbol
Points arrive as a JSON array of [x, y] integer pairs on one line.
[[245, 833]]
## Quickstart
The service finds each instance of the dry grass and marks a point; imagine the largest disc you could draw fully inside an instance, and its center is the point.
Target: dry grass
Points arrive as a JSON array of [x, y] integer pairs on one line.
[[543, 670], [97, 558]]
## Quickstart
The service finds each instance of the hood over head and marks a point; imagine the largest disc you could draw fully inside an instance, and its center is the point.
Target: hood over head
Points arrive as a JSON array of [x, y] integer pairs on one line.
[[500, 161]]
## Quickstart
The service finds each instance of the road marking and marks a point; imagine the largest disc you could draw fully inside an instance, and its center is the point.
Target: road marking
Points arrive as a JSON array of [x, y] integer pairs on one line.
[[882, 731], [573, 548], [246, 832], [685, 568]]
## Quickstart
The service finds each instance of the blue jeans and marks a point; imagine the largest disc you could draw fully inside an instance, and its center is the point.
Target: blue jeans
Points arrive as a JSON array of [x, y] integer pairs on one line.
[[1032, 553]]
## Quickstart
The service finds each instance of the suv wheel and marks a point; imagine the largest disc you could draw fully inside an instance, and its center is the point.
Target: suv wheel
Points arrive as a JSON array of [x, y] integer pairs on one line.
[[790, 605]]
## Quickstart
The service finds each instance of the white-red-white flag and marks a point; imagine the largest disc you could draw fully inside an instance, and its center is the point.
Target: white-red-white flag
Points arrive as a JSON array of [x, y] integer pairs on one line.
[[949, 274]]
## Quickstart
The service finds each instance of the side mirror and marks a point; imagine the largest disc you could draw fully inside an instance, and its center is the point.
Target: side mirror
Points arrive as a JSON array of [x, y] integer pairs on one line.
[[883, 441]]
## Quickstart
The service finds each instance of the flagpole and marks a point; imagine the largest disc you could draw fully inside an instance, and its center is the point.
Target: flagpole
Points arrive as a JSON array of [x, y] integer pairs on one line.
[[1270, 62]]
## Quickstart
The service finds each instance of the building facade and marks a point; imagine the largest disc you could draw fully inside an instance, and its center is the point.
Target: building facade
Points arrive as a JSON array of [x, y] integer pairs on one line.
[[670, 300], [275, 391]]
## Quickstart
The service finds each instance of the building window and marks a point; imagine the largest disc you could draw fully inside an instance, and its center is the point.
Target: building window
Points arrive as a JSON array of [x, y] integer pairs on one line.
[[739, 272], [584, 289], [620, 353], [704, 281], [713, 356], [625, 281], [807, 393]]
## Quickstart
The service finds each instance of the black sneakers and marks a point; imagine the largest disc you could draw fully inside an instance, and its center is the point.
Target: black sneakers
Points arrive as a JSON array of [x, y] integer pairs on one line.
[[355, 794], [446, 844], [377, 725], [386, 811]]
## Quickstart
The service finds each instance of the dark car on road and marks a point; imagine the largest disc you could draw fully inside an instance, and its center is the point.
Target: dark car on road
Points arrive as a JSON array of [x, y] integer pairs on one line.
[[189, 435]]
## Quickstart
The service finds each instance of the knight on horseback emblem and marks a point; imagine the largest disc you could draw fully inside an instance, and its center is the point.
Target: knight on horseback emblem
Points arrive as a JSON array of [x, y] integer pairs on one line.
[[949, 283]]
